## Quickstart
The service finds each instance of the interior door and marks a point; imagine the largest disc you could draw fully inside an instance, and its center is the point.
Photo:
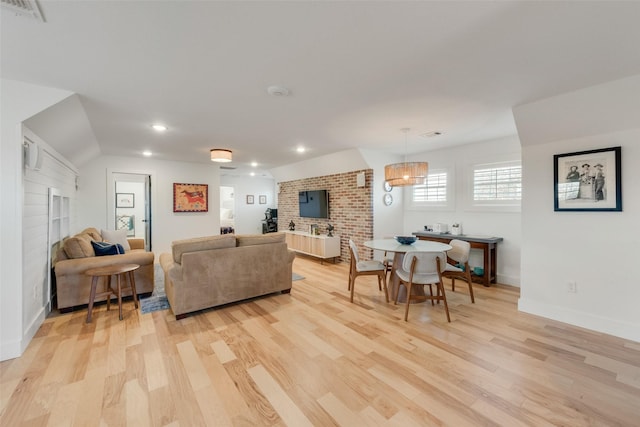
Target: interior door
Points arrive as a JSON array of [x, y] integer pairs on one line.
[[132, 205]]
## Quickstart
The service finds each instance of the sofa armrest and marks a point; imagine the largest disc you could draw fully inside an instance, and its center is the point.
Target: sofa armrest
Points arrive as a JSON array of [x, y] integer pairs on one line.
[[136, 243], [80, 265]]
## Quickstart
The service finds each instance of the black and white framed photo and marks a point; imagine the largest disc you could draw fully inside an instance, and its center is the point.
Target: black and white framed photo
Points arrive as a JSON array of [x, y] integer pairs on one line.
[[588, 180], [125, 200]]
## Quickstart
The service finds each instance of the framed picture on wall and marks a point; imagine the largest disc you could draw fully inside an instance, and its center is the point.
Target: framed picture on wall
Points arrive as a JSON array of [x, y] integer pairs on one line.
[[262, 199], [125, 200], [588, 180], [249, 199], [190, 197]]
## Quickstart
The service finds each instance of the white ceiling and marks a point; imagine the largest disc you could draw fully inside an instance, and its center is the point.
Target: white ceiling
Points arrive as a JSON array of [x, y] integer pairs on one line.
[[358, 71]]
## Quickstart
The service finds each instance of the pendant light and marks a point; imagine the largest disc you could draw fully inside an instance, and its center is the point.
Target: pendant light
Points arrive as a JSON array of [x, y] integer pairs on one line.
[[406, 173], [221, 155]]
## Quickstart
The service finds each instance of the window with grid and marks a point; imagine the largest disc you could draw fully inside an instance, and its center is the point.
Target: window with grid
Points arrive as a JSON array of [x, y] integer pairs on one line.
[[435, 190], [497, 184]]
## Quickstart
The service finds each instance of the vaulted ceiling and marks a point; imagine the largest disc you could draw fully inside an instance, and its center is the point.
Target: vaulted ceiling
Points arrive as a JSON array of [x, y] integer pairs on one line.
[[357, 72]]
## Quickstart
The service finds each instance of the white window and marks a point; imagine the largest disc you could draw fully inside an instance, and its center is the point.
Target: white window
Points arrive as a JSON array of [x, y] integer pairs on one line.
[[497, 184], [435, 193]]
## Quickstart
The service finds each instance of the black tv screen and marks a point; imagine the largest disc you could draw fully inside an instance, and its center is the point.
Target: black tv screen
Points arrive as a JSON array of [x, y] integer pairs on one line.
[[314, 204]]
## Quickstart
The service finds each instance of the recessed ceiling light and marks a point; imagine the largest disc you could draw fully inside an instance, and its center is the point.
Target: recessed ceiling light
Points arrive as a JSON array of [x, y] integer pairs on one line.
[[301, 149], [254, 164], [252, 174], [278, 91], [158, 127], [146, 153]]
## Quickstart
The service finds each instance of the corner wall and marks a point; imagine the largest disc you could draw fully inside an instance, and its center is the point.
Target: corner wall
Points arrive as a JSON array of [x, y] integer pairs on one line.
[[597, 250], [19, 102]]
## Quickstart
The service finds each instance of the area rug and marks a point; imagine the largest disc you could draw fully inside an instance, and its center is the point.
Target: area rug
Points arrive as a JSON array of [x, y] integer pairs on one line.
[[154, 303], [296, 276]]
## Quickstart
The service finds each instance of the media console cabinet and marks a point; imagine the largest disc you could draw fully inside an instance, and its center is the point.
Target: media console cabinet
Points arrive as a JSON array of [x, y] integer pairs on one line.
[[320, 246], [489, 246]]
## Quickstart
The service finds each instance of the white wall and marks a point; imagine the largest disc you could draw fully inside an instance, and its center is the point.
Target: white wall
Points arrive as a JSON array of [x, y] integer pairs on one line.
[[167, 225], [19, 101], [597, 250], [496, 222], [55, 173], [248, 218]]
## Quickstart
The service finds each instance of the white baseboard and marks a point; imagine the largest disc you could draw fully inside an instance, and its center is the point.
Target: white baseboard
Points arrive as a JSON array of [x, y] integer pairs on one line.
[[13, 349], [10, 350], [622, 329], [508, 280]]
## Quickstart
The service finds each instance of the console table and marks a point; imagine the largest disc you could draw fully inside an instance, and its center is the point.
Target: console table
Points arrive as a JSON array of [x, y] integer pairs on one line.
[[321, 246], [489, 246]]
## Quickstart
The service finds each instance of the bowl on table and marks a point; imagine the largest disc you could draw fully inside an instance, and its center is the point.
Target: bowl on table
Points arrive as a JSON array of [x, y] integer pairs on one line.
[[405, 240]]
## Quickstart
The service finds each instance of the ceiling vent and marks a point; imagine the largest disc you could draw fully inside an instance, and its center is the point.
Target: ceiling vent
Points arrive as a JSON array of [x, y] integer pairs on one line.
[[229, 168], [24, 8], [431, 134]]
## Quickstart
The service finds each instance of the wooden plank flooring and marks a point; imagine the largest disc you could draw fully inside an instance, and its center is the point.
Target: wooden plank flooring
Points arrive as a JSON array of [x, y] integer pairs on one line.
[[311, 358]]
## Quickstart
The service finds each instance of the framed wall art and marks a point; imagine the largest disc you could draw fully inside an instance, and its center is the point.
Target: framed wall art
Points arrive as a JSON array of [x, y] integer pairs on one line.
[[125, 200], [249, 199], [190, 197], [262, 199], [588, 180]]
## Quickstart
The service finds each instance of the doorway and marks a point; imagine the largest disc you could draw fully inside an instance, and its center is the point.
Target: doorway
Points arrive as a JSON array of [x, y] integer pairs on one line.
[[131, 206]]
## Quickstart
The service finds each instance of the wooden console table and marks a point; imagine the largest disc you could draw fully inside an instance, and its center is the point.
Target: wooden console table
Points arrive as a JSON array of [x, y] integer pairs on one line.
[[489, 246]]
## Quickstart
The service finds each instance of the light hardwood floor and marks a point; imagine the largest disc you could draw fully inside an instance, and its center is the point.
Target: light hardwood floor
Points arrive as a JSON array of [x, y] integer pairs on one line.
[[312, 358]]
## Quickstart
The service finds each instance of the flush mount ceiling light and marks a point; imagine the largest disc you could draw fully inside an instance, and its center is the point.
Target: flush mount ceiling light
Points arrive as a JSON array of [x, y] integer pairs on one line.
[[221, 155], [406, 173], [147, 153], [158, 127]]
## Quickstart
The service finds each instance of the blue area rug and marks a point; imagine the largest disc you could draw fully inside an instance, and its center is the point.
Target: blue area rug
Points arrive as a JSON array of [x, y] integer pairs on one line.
[[154, 303], [296, 276]]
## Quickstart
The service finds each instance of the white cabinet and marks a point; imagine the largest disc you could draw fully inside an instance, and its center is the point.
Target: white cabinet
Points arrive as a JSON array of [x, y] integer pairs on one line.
[[321, 246]]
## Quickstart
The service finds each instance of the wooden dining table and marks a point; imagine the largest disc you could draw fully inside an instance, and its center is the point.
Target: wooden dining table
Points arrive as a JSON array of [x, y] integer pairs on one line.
[[391, 245]]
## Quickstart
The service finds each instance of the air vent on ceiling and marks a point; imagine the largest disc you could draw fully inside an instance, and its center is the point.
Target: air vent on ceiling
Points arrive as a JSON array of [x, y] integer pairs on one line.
[[24, 8], [431, 134], [229, 168]]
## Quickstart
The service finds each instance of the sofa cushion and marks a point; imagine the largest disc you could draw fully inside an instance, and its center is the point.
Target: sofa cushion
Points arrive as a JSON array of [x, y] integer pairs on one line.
[[259, 239], [179, 247], [78, 246], [117, 236], [104, 248], [93, 232]]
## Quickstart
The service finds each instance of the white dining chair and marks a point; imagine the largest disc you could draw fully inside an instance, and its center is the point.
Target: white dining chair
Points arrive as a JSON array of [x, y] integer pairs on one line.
[[460, 254], [420, 269], [365, 268]]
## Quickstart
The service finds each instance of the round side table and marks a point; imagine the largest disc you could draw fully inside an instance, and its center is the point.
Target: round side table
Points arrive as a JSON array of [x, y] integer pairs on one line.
[[121, 272]]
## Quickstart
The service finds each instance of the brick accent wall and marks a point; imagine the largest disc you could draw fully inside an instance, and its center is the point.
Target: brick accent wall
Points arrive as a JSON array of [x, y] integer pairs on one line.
[[350, 208]]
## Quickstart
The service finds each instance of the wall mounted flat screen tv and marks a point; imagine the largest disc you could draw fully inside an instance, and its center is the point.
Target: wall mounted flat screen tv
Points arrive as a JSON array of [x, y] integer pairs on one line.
[[314, 204]]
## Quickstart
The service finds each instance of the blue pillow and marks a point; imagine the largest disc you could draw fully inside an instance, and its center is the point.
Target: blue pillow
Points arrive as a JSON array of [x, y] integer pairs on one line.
[[104, 248]]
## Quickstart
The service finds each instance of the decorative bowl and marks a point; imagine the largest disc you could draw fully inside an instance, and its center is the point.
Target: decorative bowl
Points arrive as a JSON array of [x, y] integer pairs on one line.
[[405, 240]]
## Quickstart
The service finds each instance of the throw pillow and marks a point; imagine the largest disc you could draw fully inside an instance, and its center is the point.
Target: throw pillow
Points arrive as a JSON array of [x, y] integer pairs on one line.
[[78, 246], [103, 248], [117, 236]]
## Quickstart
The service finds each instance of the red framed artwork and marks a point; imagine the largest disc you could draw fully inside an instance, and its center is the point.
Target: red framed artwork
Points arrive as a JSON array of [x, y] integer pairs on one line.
[[190, 197]]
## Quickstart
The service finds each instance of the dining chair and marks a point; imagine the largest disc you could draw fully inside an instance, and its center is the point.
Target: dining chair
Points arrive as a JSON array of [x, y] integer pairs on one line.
[[365, 268], [460, 254], [420, 269]]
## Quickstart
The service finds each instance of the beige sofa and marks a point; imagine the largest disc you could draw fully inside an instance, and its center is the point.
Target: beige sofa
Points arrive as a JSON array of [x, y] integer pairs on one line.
[[76, 255], [210, 271]]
